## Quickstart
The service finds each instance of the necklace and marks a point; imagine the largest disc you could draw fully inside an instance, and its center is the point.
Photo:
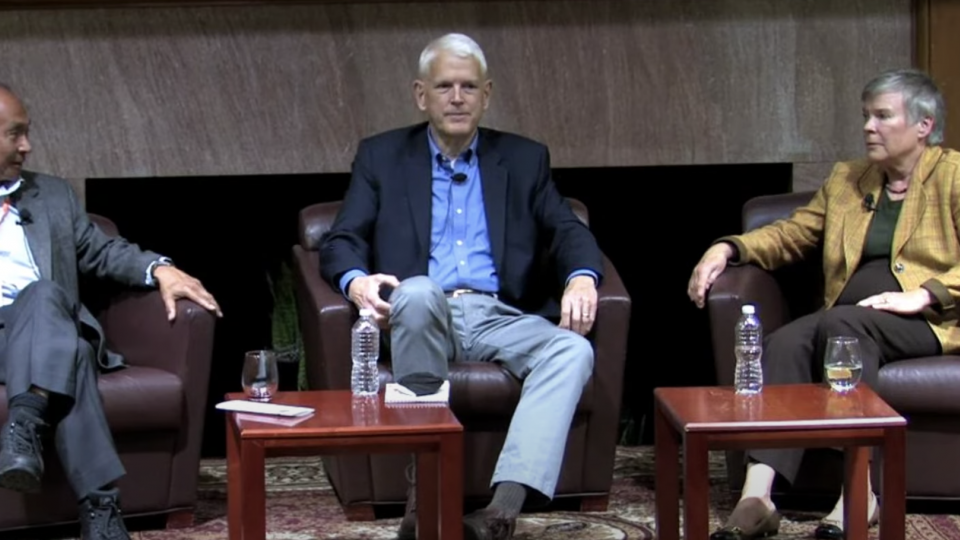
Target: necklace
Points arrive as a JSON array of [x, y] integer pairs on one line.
[[896, 192]]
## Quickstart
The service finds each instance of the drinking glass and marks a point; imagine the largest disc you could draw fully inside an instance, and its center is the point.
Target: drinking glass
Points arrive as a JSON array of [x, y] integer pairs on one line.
[[842, 363], [260, 376]]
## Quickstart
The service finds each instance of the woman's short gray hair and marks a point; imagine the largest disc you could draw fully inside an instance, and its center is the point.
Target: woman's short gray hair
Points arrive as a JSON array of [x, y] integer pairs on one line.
[[921, 97], [458, 45]]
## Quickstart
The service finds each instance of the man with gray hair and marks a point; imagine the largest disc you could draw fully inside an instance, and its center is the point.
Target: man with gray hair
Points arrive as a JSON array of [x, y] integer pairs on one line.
[[440, 234], [888, 230]]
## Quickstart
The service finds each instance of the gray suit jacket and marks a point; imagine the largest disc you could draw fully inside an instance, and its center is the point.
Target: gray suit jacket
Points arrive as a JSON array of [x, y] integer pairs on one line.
[[65, 244]]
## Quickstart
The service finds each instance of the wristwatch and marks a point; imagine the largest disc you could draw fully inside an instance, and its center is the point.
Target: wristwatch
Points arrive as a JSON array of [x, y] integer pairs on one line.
[[162, 261]]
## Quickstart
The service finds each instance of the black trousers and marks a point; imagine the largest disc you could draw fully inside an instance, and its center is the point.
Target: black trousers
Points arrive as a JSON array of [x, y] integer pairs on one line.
[[794, 353], [41, 344]]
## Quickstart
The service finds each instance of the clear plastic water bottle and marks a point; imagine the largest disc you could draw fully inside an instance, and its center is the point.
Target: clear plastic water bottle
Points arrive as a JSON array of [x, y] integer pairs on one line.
[[748, 348], [365, 349]]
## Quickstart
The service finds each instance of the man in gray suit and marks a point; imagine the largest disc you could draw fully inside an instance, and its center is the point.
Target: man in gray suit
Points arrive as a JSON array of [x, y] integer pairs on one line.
[[50, 344]]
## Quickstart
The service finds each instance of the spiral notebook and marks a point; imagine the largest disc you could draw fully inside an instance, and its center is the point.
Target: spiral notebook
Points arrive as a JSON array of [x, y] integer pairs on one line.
[[397, 394]]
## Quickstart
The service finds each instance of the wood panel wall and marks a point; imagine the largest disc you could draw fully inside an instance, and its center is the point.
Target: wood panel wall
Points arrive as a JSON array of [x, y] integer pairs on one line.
[[273, 89], [938, 53]]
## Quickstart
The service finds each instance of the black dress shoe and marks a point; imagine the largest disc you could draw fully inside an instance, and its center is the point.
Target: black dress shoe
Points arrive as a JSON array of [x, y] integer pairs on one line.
[[831, 530], [488, 524], [828, 531], [750, 519], [21, 464], [100, 517]]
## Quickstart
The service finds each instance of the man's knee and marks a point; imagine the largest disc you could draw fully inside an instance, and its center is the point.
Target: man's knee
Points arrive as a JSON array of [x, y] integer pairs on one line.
[[46, 293], [577, 355], [417, 294]]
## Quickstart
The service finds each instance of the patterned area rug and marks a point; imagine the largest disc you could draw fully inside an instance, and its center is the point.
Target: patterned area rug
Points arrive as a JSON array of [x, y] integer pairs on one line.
[[301, 506]]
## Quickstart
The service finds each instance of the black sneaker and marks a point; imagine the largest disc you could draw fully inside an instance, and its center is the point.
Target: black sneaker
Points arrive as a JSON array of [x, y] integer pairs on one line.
[[100, 517], [21, 462]]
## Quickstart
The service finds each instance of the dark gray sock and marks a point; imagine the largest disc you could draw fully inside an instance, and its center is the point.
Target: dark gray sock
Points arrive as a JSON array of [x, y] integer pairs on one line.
[[509, 498], [422, 383], [33, 403]]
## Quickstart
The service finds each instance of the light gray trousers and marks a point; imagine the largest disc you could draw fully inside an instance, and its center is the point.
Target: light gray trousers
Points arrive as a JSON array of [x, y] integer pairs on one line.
[[428, 330]]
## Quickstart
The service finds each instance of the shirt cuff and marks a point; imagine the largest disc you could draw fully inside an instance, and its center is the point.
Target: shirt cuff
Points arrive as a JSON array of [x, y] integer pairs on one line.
[[583, 272], [941, 294], [347, 277], [150, 281]]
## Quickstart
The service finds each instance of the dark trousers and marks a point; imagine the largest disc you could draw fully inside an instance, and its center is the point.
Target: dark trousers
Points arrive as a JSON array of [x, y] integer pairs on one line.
[[794, 353], [41, 345]]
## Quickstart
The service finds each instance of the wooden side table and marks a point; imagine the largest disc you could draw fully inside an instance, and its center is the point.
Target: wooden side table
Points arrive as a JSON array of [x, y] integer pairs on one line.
[[700, 419], [339, 425]]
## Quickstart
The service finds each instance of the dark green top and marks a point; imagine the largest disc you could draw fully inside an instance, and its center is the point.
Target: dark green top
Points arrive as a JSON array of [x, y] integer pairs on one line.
[[880, 235]]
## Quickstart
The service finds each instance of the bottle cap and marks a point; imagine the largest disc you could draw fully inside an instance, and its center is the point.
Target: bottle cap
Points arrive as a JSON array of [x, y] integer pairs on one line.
[[366, 312], [748, 309]]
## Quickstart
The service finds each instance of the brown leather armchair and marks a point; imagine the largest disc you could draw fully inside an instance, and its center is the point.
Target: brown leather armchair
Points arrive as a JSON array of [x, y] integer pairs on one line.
[[155, 408], [923, 389], [483, 396]]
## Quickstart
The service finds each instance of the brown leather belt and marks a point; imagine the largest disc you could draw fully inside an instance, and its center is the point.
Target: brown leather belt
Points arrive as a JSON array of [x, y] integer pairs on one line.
[[456, 293]]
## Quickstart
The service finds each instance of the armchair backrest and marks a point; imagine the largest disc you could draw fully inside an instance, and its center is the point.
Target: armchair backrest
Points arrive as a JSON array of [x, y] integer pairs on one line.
[[766, 209], [316, 219], [802, 284], [107, 226]]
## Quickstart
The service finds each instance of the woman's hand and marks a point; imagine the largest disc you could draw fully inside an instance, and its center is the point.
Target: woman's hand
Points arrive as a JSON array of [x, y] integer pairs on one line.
[[710, 267], [904, 303]]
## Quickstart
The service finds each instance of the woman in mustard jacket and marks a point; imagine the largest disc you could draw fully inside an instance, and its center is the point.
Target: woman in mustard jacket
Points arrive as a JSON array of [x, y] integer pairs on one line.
[[887, 226]]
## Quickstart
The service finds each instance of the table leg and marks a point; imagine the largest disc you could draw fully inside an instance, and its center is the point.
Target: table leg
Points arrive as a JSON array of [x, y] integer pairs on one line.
[[428, 515], [893, 490], [451, 486], [667, 479], [253, 492], [856, 469], [696, 486], [234, 480]]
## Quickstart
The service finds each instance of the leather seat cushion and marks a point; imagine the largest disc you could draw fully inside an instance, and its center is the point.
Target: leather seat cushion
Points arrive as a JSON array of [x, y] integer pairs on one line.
[[135, 399], [487, 389], [922, 385]]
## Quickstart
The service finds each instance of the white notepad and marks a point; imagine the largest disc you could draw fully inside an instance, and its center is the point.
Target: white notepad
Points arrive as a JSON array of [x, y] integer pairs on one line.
[[273, 409], [399, 394]]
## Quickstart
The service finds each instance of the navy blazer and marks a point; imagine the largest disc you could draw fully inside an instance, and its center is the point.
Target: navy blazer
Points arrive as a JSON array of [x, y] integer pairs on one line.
[[384, 222]]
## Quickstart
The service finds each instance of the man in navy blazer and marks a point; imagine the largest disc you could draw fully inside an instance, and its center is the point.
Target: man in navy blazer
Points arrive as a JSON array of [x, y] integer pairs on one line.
[[441, 233]]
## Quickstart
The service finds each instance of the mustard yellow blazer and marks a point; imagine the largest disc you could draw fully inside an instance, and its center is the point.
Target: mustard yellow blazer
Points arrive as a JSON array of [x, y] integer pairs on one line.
[[926, 244]]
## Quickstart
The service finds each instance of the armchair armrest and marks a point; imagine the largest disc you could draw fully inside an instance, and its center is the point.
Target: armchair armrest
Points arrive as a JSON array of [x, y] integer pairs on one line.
[[136, 326], [736, 286], [325, 318], [609, 336]]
